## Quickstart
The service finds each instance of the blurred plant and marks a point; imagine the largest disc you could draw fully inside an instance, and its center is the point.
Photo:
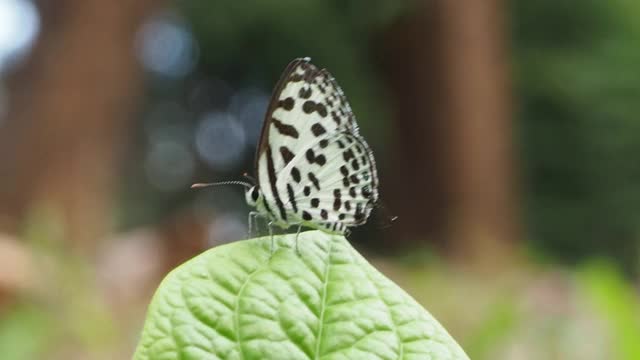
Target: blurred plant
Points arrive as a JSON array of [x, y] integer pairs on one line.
[[500, 319], [617, 302], [577, 85], [62, 314], [204, 122], [25, 331]]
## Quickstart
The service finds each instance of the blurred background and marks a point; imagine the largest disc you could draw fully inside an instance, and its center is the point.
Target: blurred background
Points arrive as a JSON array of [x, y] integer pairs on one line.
[[506, 134]]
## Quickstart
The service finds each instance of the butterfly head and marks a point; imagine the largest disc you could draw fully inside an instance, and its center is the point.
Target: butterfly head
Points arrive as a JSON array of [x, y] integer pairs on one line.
[[253, 195]]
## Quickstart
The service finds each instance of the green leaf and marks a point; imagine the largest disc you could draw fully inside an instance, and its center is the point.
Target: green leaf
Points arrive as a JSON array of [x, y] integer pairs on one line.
[[238, 301]]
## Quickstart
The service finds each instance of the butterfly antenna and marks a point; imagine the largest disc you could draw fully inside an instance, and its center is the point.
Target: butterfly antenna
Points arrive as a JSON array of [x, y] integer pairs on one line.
[[387, 219], [203, 185]]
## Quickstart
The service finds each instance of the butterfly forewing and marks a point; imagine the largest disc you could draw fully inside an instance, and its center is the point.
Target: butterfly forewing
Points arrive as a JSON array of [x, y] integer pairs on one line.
[[312, 165]]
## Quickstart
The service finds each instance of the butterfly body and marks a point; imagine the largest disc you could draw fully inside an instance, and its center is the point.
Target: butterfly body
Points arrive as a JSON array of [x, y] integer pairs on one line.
[[312, 166]]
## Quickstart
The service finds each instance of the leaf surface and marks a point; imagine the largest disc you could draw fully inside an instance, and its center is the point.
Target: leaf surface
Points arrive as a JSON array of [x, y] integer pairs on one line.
[[237, 301]]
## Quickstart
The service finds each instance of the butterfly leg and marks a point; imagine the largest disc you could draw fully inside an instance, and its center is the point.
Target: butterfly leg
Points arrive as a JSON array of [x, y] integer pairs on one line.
[[253, 215], [298, 234], [271, 235]]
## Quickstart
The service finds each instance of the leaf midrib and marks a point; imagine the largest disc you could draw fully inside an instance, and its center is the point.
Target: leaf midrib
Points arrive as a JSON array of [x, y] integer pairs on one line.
[[324, 300]]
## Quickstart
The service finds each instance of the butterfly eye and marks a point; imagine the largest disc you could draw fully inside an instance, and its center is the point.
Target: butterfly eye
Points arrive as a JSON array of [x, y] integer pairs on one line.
[[255, 194]]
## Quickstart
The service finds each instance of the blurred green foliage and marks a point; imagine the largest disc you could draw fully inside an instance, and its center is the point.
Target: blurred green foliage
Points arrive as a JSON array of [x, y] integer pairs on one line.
[[24, 332], [577, 88], [500, 320], [617, 303], [64, 311], [244, 40], [533, 312], [245, 45]]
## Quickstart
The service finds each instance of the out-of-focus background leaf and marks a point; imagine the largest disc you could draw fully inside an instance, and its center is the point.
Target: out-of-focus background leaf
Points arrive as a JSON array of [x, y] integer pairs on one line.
[[506, 135]]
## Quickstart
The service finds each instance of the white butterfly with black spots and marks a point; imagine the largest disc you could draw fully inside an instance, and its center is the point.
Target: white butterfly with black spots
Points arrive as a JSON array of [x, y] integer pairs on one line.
[[313, 168]]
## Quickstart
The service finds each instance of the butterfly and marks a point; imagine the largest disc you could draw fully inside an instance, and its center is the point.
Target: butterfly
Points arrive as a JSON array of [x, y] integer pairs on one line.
[[312, 166]]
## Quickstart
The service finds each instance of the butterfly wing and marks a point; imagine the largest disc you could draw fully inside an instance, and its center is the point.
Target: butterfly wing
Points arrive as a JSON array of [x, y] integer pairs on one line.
[[335, 193], [308, 128]]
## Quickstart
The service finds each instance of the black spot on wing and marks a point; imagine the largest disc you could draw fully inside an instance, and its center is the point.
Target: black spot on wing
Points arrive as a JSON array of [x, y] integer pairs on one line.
[[305, 92], [366, 192], [292, 199], [284, 129], [306, 216], [314, 180], [309, 106], [337, 203], [317, 129], [287, 155], [359, 215], [336, 118], [287, 103], [271, 172], [295, 174], [312, 158], [348, 155], [321, 110]]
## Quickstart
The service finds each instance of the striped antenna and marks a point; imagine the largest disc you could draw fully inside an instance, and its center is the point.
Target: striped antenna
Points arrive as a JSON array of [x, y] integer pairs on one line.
[[203, 185]]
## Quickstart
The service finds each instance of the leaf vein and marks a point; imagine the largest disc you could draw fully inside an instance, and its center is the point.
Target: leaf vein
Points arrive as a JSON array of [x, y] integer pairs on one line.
[[323, 302]]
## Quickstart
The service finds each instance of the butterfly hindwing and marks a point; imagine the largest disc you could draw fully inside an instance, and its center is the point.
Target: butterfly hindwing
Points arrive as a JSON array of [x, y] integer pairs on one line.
[[341, 190]]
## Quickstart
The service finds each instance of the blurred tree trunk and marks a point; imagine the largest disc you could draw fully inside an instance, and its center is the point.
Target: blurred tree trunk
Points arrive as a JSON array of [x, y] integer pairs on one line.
[[448, 68], [71, 103]]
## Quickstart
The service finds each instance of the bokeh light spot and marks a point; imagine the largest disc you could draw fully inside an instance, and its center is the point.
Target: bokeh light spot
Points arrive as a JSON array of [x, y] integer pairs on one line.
[[220, 140], [19, 26], [166, 47]]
